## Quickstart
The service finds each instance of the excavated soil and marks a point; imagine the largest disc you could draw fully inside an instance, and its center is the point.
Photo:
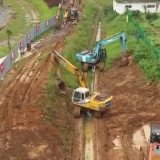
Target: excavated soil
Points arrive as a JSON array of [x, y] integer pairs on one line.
[[31, 125], [135, 102], [52, 3]]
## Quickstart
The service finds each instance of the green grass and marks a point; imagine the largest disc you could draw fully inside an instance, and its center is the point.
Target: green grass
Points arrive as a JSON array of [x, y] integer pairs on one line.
[[17, 25], [43, 9], [4, 50], [78, 42]]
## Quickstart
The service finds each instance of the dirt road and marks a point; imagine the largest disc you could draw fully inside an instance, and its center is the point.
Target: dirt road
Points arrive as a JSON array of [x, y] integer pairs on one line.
[[135, 103], [23, 132]]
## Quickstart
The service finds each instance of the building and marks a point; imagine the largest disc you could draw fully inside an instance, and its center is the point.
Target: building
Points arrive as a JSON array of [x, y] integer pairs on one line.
[[151, 6]]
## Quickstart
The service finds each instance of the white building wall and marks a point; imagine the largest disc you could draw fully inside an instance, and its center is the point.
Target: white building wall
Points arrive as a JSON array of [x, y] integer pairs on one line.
[[120, 8]]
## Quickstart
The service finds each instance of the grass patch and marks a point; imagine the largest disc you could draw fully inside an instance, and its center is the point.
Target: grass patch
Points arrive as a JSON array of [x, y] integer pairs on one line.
[[5, 50], [79, 41], [43, 9], [17, 26]]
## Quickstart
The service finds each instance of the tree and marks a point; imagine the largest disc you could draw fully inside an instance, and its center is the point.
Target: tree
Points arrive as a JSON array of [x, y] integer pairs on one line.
[[157, 6], [145, 9], [9, 33]]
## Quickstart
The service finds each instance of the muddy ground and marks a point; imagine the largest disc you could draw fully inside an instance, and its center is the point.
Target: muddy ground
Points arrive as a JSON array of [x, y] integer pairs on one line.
[[31, 124], [135, 102]]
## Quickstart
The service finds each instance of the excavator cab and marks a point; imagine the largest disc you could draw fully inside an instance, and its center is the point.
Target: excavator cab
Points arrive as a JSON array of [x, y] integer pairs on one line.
[[81, 95], [102, 54], [73, 13]]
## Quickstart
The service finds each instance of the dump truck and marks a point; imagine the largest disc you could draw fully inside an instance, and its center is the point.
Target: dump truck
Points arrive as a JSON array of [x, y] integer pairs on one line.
[[152, 150], [82, 98]]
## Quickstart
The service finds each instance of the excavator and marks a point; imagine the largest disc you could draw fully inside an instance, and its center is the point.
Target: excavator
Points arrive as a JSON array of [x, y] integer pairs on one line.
[[82, 98], [70, 13], [152, 151], [98, 55]]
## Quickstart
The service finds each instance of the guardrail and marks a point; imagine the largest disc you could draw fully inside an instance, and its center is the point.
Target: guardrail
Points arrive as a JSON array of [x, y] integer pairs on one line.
[[7, 62]]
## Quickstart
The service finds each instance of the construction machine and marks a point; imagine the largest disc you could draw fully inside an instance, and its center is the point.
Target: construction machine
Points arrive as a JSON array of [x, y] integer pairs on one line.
[[70, 13], [98, 55], [82, 98], [152, 151]]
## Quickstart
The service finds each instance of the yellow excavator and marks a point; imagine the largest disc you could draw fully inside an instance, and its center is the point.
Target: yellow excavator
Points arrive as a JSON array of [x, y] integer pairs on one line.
[[82, 98], [70, 13]]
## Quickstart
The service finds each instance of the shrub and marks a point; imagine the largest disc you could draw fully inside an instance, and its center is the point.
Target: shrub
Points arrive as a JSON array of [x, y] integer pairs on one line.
[[148, 62], [151, 16], [109, 13], [136, 13]]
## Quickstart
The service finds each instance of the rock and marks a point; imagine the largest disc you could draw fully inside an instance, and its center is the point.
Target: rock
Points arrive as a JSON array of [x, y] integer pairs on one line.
[[124, 62]]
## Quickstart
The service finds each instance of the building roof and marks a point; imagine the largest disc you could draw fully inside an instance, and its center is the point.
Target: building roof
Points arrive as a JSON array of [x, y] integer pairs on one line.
[[135, 1]]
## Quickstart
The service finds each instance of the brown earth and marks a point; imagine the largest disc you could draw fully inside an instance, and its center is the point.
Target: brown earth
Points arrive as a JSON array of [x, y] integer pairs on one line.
[[135, 102], [52, 3], [32, 124]]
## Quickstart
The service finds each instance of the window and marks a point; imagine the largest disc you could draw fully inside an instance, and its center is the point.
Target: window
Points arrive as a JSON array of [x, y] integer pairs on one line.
[[82, 96], [77, 97], [87, 95], [150, 6], [128, 6]]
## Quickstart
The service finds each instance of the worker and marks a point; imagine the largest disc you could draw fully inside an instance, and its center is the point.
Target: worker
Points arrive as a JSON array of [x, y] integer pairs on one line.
[[88, 115], [123, 42], [138, 36]]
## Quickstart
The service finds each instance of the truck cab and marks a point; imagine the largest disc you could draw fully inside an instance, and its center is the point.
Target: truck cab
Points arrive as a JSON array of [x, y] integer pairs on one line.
[[152, 151]]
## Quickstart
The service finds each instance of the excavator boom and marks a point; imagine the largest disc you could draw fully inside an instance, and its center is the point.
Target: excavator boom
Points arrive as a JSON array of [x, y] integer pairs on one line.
[[58, 61]]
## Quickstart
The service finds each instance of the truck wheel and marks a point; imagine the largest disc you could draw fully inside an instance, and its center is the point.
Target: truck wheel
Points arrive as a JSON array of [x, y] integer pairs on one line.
[[98, 114], [101, 66], [77, 112], [85, 67]]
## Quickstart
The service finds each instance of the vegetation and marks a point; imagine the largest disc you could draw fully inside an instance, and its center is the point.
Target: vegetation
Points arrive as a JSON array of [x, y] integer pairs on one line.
[[43, 9], [9, 33], [79, 41], [18, 26]]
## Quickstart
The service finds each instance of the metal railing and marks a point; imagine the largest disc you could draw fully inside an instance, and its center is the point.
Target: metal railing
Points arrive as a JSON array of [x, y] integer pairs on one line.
[[143, 36]]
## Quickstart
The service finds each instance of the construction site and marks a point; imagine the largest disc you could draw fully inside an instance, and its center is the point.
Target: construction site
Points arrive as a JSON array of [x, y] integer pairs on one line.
[[112, 114]]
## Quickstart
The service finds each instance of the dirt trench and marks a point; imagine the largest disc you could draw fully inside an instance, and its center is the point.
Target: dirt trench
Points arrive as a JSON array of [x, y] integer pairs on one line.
[[26, 130]]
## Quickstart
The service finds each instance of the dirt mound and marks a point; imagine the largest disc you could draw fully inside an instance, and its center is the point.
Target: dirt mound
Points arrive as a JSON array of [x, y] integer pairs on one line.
[[132, 107], [52, 3]]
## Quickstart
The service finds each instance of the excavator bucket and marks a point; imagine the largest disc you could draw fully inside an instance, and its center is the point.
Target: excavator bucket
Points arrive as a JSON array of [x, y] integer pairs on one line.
[[61, 86]]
